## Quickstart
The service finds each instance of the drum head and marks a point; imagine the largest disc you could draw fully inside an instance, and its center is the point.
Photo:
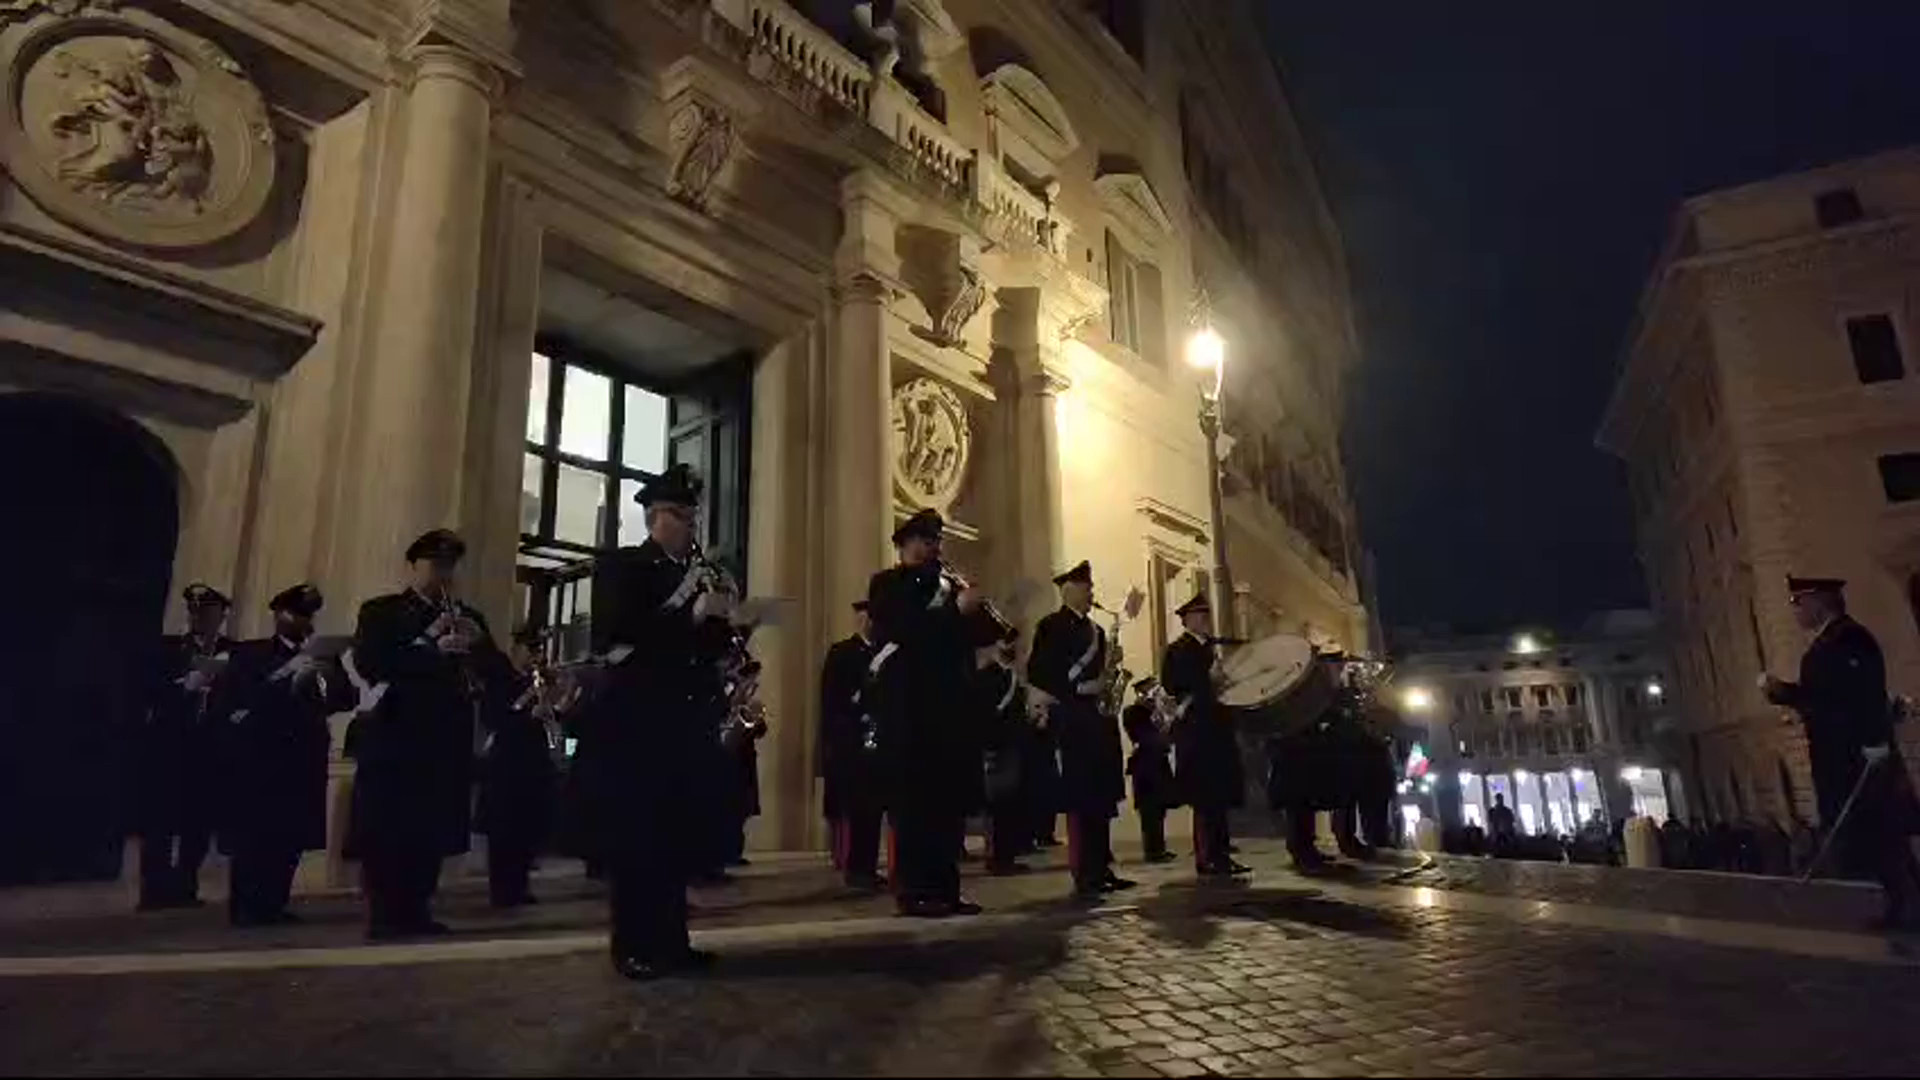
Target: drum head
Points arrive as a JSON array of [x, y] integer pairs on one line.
[[1261, 672]]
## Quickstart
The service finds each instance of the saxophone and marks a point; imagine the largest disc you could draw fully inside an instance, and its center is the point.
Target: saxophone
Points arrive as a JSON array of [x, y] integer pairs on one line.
[[1114, 676]]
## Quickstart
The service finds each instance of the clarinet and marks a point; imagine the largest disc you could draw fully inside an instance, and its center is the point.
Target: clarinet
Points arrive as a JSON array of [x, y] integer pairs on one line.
[[470, 682]]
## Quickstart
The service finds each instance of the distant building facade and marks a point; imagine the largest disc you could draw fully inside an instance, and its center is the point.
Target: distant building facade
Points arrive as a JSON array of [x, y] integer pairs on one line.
[[1769, 416], [1558, 726]]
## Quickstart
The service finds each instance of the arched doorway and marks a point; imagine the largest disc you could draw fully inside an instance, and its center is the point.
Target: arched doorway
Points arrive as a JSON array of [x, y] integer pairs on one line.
[[93, 516]]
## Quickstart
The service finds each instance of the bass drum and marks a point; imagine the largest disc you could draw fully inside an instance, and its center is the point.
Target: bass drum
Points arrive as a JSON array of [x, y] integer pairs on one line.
[[1273, 687]]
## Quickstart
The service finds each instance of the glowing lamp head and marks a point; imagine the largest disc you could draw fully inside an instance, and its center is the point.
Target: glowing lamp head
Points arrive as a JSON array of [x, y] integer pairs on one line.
[[1526, 644], [1655, 691], [1631, 774], [1207, 350], [1522, 775], [1418, 698]]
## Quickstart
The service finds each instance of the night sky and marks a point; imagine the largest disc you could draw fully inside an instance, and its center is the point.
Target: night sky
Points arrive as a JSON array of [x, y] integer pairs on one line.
[[1503, 174]]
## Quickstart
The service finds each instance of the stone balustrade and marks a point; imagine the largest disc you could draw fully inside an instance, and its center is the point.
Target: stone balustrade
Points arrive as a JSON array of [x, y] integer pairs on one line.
[[812, 55], [895, 112], [1013, 210], [809, 51]]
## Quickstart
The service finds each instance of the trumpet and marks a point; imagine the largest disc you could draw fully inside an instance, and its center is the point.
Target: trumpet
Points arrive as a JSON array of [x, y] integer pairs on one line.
[[745, 716]]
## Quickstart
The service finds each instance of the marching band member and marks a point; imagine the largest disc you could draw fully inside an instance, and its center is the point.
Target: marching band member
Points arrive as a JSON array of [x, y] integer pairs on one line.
[[1151, 766], [849, 756], [1209, 774], [922, 673], [1067, 664], [276, 698], [1841, 696], [1005, 737], [652, 768], [517, 776], [433, 664], [174, 775]]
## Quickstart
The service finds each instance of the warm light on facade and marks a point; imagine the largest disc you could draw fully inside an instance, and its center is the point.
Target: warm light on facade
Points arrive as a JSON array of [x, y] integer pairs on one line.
[[1526, 644], [1631, 774], [1417, 698]]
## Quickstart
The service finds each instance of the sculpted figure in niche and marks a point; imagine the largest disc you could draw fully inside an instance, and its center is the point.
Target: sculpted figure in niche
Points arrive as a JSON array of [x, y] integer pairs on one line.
[[129, 127], [706, 137], [932, 446], [966, 304]]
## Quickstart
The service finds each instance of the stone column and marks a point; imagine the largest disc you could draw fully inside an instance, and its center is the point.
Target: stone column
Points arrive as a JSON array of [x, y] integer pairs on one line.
[[416, 374], [1033, 388], [859, 452]]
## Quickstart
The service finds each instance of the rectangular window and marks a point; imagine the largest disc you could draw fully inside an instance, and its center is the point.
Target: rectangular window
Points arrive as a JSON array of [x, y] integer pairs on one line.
[[1513, 697], [1876, 349], [1136, 317], [1572, 692], [1543, 696], [1838, 207], [1900, 476], [577, 418], [1486, 702]]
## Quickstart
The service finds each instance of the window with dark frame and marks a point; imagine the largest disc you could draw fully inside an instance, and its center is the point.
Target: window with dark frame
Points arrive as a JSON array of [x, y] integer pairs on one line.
[[1875, 345], [592, 438], [1900, 476], [1838, 207]]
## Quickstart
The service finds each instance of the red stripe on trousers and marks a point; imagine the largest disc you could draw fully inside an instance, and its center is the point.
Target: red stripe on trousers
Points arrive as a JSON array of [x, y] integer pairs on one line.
[[1073, 843], [893, 857], [1200, 853]]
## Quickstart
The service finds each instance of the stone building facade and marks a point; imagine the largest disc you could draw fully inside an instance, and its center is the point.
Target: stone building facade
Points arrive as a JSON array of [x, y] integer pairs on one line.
[[1559, 724], [289, 281], [1770, 425]]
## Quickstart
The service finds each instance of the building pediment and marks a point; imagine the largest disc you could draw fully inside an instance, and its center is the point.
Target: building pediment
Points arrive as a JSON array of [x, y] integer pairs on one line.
[[1129, 199], [1033, 125]]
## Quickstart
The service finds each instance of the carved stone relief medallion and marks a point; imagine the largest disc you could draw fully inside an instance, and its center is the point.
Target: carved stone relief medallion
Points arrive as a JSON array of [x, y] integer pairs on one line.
[[124, 125], [931, 442]]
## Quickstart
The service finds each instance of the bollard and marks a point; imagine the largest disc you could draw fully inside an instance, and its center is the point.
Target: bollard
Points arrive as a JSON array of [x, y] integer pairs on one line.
[[1426, 836], [1642, 841]]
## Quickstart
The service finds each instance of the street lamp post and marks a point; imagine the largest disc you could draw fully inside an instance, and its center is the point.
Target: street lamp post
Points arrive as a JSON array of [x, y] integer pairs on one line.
[[1208, 352]]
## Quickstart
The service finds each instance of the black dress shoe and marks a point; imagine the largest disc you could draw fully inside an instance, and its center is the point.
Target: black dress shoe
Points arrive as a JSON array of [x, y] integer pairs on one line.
[[924, 909], [1089, 894], [1161, 857], [694, 960], [1046, 842], [1115, 883], [964, 906], [867, 882], [740, 860], [1238, 869], [636, 969], [1008, 868]]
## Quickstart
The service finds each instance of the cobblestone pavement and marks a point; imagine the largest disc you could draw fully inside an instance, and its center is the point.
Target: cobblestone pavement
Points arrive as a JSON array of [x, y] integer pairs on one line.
[[1285, 977]]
